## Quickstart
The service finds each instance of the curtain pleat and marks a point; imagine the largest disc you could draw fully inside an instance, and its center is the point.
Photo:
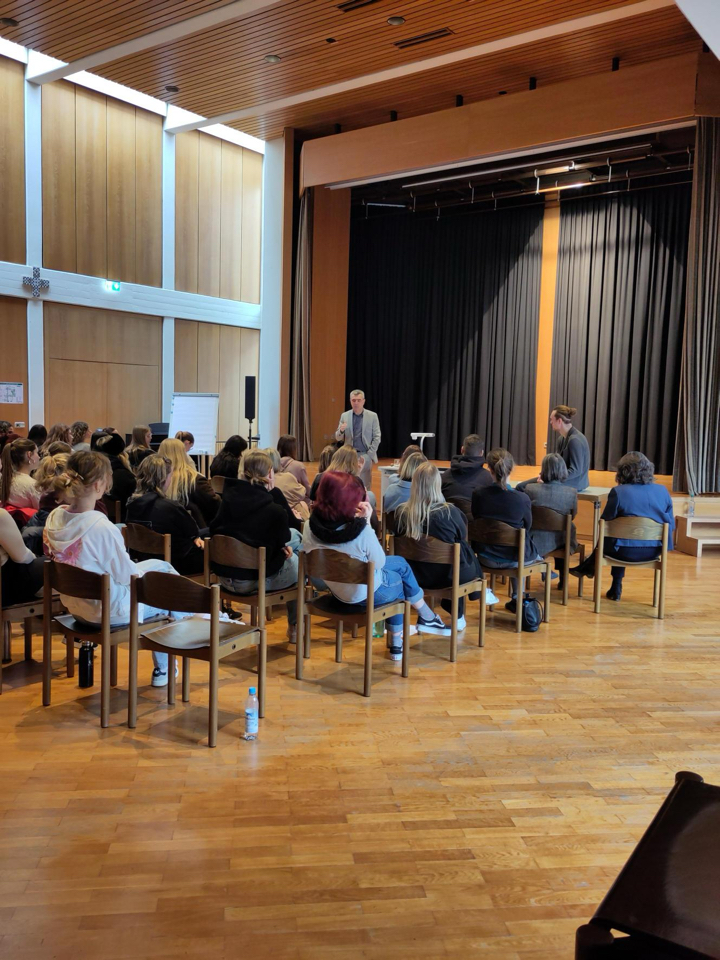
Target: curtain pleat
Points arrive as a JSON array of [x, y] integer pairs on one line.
[[619, 312], [302, 305], [442, 327], [697, 462]]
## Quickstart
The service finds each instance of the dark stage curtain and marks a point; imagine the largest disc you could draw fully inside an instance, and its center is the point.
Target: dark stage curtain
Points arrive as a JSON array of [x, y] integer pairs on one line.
[[442, 327], [697, 467], [619, 312]]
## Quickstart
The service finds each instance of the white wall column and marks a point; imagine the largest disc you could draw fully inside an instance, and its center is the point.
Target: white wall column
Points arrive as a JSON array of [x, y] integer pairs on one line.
[[168, 365], [268, 422], [36, 362], [35, 385]]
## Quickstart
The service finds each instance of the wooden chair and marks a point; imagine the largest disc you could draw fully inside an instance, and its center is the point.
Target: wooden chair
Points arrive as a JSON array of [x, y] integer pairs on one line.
[[20, 613], [74, 582], [634, 528], [113, 507], [234, 553], [430, 550], [141, 539], [500, 534], [339, 568], [387, 529], [547, 520], [218, 484], [194, 638]]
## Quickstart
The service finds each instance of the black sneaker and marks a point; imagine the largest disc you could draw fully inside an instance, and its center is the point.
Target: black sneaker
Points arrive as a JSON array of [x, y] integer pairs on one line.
[[615, 592], [511, 605], [436, 626], [395, 653]]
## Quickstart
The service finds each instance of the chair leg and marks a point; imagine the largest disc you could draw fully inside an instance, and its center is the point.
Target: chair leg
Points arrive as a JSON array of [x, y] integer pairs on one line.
[[656, 587], [113, 666], [46, 662], [7, 642], [104, 686], [171, 679], [306, 649], [566, 586], [262, 672], [338, 641], [548, 585], [406, 641], [186, 679], [132, 683], [661, 592], [367, 686], [518, 601], [581, 580], [598, 584], [253, 616], [213, 702], [483, 613], [70, 656], [354, 631], [493, 579], [27, 625]]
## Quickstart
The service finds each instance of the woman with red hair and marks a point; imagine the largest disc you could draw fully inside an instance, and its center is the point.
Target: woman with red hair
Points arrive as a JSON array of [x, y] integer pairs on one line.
[[341, 521]]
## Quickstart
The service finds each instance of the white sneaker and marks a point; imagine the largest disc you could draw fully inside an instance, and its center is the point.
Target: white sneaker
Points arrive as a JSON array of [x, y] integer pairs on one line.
[[160, 677], [490, 597], [291, 635], [395, 653], [462, 623]]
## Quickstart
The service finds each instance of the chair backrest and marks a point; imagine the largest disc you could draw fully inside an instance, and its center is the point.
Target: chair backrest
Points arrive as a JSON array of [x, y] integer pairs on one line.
[[493, 532], [231, 552], [634, 528], [424, 550], [144, 540], [218, 484], [547, 519], [113, 507], [388, 522], [335, 566], [74, 582], [170, 591]]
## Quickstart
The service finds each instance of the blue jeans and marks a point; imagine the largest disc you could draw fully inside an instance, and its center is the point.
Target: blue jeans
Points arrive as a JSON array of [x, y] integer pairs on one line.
[[398, 583]]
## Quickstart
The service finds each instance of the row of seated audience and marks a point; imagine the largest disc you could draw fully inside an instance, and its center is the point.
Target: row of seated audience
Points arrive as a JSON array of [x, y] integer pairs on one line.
[[166, 493]]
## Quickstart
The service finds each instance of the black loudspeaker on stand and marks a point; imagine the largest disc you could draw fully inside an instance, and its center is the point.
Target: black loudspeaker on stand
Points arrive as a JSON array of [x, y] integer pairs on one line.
[[250, 405]]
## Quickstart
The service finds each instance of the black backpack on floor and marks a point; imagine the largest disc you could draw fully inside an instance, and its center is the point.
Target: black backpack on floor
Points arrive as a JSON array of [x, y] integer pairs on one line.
[[532, 614]]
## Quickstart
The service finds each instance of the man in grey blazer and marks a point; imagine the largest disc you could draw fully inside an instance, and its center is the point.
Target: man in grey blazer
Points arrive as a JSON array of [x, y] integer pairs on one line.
[[361, 429]]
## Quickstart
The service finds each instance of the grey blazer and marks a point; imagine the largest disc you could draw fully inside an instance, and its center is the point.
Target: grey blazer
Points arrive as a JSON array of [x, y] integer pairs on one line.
[[370, 431], [557, 496]]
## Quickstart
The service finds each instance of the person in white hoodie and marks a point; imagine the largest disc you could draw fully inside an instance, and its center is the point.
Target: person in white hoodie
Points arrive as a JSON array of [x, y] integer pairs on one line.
[[77, 534]]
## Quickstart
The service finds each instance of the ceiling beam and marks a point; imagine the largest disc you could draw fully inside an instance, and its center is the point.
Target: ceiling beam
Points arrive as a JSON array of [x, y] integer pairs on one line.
[[705, 17], [457, 56], [214, 18]]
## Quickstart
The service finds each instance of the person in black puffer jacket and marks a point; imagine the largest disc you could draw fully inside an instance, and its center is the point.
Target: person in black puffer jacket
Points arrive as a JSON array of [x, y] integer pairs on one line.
[[123, 479], [467, 473], [150, 507]]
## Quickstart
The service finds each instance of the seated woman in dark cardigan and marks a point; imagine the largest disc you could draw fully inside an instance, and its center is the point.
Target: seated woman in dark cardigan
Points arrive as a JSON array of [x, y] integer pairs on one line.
[[636, 495], [553, 491]]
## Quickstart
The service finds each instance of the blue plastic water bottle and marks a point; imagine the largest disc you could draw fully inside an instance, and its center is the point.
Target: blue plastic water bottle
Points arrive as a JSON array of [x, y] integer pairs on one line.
[[252, 714]]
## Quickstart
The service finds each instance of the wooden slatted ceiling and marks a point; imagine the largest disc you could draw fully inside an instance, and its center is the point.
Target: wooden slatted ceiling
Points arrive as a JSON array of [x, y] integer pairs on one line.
[[638, 40], [223, 68]]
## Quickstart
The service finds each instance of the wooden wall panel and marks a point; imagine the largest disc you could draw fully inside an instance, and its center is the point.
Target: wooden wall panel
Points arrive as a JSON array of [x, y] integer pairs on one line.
[[186, 211], [231, 222], [12, 162], [186, 356], [76, 390], [251, 226], [208, 357], [230, 383], [91, 181], [249, 367], [58, 164], [121, 191], [74, 333], [148, 198], [13, 356], [133, 395], [209, 214], [328, 328]]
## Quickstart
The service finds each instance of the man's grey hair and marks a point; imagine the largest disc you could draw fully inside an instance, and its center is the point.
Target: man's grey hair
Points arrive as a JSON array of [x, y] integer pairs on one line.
[[357, 393]]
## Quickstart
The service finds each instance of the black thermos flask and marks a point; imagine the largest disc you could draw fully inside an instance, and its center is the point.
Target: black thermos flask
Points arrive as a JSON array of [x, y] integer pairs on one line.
[[85, 664]]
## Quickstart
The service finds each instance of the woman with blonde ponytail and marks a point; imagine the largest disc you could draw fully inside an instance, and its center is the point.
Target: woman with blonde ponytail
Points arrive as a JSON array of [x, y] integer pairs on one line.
[[17, 487], [77, 534]]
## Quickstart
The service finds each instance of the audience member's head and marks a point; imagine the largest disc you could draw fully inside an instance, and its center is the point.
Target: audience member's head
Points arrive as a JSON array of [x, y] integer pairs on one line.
[[153, 476], [86, 474], [473, 445], [141, 437], [38, 434], [57, 446], [500, 463], [235, 446], [257, 467], [287, 446], [339, 495], [412, 448], [634, 467], [274, 456], [19, 456], [50, 467], [345, 460], [186, 438], [79, 432], [561, 418], [407, 469], [553, 469], [326, 456], [58, 431], [425, 496], [5, 428], [111, 444], [97, 434], [225, 465], [184, 475]]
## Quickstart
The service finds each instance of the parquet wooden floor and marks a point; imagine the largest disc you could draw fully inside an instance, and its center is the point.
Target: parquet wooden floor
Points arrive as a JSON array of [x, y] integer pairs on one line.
[[475, 809]]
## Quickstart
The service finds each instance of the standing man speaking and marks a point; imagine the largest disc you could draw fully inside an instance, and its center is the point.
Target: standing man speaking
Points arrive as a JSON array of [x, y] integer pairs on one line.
[[361, 429]]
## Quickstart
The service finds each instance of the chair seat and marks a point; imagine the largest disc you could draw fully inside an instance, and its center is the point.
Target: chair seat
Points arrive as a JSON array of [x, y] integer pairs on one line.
[[613, 561], [445, 593], [251, 599], [193, 633], [330, 606]]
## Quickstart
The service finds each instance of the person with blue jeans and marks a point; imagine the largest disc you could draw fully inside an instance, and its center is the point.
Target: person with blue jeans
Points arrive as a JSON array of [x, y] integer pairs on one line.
[[340, 521]]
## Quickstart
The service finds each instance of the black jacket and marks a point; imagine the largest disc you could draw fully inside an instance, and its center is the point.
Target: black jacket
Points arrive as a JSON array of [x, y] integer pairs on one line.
[[465, 475], [280, 499], [168, 516], [450, 528], [123, 484], [511, 507], [250, 513], [225, 465], [575, 451], [203, 502]]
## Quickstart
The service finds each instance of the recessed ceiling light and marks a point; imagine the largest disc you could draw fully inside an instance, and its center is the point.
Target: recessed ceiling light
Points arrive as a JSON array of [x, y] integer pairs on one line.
[[171, 88], [272, 58], [396, 21], [8, 22]]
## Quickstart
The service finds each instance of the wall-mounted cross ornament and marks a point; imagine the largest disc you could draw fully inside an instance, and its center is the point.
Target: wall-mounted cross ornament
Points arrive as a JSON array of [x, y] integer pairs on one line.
[[35, 282]]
